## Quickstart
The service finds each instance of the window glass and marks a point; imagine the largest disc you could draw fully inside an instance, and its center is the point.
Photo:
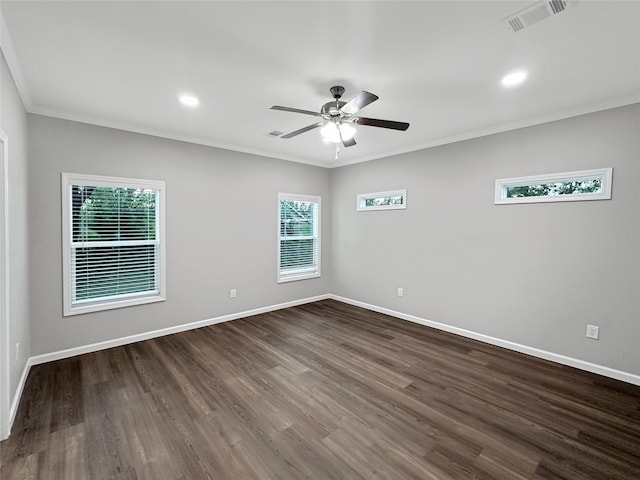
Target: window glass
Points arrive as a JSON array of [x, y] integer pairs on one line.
[[391, 200], [299, 237], [557, 187]]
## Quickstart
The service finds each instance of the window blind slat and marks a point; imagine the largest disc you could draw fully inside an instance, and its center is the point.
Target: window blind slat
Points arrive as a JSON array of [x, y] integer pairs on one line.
[[114, 251]]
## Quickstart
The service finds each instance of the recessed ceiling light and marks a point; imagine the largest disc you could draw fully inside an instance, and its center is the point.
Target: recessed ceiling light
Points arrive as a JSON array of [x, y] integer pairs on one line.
[[189, 101], [514, 78]]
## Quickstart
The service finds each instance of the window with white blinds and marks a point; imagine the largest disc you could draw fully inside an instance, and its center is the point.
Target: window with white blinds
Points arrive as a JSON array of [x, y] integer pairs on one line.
[[298, 237], [113, 242]]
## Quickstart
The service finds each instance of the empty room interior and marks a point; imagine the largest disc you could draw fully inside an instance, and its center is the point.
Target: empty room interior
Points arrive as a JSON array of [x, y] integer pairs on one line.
[[320, 240]]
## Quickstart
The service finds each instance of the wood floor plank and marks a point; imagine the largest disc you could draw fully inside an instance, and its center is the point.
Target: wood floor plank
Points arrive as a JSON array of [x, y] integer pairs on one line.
[[322, 391]]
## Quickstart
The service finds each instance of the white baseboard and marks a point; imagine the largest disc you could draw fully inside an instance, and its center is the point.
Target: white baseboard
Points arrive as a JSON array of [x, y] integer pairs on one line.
[[516, 347], [94, 347], [535, 352], [18, 395]]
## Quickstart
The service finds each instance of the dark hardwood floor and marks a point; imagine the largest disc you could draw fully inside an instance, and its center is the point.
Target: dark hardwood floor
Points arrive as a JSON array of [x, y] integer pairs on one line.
[[320, 391]]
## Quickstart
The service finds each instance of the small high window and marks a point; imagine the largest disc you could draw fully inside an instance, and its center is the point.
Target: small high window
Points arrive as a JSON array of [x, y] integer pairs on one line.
[[556, 187], [391, 200]]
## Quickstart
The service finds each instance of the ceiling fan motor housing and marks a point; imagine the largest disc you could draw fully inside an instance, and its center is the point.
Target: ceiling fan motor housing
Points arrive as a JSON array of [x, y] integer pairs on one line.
[[332, 109]]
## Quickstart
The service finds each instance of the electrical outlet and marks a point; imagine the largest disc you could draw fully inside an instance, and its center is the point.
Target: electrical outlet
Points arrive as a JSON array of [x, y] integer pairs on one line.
[[593, 331], [401, 292], [233, 293]]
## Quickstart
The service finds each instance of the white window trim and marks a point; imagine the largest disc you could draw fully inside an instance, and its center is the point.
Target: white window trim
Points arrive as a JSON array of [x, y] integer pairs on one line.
[[302, 273], [363, 197], [602, 174], [69, 308]]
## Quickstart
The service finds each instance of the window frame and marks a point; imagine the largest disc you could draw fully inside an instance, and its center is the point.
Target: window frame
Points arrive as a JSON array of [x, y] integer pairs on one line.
[[303, 273], [605, 176], [362, 198], [123, 300]]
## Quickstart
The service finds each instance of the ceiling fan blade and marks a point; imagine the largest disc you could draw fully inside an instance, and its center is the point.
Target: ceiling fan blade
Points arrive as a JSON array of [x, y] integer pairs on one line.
[[302, 130], [374, 122], [347, 142], [295, 110], [359, 101]]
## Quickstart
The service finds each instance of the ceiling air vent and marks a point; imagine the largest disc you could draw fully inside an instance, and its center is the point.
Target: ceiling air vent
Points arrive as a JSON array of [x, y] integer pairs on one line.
[[536, 12]]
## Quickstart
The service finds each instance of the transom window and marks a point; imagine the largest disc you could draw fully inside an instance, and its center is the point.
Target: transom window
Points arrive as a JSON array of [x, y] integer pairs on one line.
[[556, 187], [298, 237], [113, 242], [390, 200]]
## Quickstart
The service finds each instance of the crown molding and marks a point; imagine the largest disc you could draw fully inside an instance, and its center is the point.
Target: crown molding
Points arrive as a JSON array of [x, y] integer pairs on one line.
[[130, 127], [505, 127]]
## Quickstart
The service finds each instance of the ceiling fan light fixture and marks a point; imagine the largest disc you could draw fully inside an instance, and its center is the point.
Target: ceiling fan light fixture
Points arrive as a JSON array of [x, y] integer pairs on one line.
[[330, 132]]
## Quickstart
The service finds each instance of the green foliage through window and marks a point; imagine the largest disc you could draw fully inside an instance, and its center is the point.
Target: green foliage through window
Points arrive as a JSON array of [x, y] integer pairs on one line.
[[380, 201], [387, 200], [558, 188], [296, 218], [107, 214]]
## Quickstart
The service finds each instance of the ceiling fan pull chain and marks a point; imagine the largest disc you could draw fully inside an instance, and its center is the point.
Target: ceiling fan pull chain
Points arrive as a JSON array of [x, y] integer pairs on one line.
[[337, 151]]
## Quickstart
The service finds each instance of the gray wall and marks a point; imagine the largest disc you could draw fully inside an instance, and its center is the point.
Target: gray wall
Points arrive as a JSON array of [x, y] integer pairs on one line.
[[13, 119], [533, 274], [221, 221]]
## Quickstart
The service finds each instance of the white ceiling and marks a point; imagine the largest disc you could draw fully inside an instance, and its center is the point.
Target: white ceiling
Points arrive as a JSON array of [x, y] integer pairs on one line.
[[436, 65]]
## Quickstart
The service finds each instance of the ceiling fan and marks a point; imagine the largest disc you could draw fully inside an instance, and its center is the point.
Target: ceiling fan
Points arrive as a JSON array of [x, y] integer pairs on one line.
[[338, 118]]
